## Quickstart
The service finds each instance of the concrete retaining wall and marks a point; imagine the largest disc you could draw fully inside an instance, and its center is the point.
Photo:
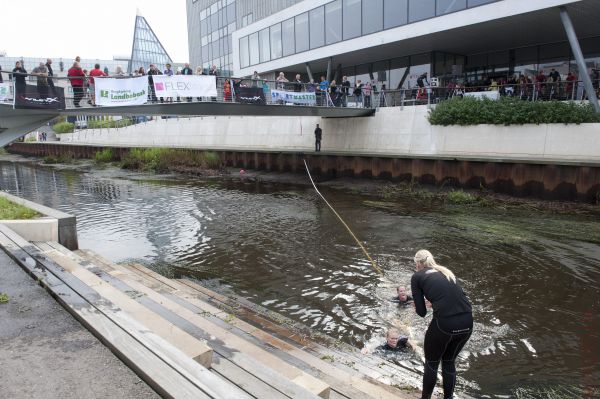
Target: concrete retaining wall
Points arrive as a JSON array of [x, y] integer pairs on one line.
[[52, 226], [391, 132]]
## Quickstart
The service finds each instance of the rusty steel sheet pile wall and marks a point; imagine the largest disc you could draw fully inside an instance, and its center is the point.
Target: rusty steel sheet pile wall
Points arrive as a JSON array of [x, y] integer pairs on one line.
[[541, 180]]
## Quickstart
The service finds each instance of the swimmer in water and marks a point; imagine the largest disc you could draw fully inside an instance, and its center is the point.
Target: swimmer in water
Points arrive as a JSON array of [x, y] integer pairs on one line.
[[394, 342], [452, 322], [402, 297]]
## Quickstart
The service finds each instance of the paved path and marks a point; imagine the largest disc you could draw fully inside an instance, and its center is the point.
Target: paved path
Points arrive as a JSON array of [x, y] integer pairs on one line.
[[46, 353]]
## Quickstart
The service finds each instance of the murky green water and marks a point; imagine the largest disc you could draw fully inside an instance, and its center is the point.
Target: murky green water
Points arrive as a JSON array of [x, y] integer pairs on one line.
[[533, 278]]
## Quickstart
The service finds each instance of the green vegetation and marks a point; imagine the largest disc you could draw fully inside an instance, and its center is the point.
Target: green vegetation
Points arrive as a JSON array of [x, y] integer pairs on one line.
[[108, 123], [162, 160], [3, 297], [61, 158], [509, 111], [460, 197], [63, 127], [106, 155], [11, 211]]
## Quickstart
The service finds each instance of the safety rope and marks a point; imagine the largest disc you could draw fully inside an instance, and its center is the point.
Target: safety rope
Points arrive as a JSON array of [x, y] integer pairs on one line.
[[377, 269]]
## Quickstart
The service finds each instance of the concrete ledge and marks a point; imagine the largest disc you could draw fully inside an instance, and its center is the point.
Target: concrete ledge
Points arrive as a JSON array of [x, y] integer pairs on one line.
[[54, 226]]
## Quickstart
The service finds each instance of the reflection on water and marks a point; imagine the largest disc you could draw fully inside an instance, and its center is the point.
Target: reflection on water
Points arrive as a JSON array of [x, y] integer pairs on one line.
[[535, 289]]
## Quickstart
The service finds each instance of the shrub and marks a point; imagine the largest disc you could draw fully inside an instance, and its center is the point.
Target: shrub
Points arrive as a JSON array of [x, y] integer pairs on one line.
[[164, 159], [108, 124], [63, 127], [460, 197], [509, 111], [62, 158], [106, 155]]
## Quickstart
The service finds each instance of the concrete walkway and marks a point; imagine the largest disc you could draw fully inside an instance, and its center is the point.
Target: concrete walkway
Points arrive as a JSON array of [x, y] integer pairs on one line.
[[46, 353]]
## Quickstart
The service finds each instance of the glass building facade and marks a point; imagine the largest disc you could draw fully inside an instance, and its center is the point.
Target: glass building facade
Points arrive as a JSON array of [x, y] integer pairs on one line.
[[211, 23], [146, 48], [340, 20]]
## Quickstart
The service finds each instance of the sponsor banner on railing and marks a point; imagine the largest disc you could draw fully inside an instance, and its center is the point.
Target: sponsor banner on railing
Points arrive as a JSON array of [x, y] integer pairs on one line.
[[120, 92], [34, 97], [250, 95], [306, 98], [5, 91], [185, 86]]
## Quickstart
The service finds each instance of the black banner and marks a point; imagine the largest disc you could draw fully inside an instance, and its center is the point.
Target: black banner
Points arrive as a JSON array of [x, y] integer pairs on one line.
[[250, 95], [39, 97]]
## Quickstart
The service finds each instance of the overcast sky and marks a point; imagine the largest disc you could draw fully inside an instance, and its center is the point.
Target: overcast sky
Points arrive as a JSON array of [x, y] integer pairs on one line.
[[90, 29]]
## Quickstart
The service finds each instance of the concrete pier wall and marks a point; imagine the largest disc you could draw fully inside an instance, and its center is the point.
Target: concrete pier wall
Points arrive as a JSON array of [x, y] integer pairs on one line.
[[547, 161], [391, 132]]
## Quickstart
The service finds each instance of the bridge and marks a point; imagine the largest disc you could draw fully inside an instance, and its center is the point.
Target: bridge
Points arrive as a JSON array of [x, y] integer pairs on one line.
[[15, 123]]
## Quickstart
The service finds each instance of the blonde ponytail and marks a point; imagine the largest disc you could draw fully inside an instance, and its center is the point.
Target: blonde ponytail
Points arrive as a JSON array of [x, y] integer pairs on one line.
[[425, 258]]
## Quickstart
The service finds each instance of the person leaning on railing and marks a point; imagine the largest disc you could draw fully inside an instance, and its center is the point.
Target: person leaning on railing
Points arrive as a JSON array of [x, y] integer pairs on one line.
[[76, 77], [19, 74]]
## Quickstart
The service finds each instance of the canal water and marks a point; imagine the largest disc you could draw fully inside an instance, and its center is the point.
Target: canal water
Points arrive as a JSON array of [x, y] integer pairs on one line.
[[533, 277]]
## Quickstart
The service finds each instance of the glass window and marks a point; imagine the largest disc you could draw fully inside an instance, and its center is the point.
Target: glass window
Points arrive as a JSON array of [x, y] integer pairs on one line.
[[352, 19], [301, 32], [372, 16], [253, 47], [244, 55], [214, 22], [333, 22], [287, 37], [265, 48], [317, 27], [420, 9], [276, 41], [395, 13], [231, 13], [475, 3], [398, 68], [203, 27], [448, 6]]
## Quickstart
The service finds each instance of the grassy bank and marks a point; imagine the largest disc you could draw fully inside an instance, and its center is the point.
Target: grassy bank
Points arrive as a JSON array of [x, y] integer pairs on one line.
[[11, 211], [162, 160]]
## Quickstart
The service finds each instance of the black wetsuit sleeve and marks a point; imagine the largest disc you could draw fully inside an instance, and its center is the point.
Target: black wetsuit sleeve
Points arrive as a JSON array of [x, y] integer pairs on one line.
[[403, 341], [417, 294]]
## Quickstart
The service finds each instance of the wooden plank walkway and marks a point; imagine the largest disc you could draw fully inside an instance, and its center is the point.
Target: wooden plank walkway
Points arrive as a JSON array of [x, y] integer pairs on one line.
[[187, 341]]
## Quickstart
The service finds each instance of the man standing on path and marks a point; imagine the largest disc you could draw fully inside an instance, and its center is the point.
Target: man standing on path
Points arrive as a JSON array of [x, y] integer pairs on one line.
[[318, 135]]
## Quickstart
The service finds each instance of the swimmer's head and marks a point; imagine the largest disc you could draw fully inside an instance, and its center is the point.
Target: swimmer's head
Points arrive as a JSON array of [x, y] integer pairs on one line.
[[402, 295], [392, 337]]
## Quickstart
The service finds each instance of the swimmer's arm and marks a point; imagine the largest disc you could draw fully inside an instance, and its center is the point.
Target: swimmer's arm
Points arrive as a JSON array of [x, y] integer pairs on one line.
[[418, 298]]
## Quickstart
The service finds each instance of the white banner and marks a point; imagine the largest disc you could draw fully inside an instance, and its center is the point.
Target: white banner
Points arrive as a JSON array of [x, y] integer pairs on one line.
[[185, 85], [296, 97], [5, 93], [120, 92], [492, 95]]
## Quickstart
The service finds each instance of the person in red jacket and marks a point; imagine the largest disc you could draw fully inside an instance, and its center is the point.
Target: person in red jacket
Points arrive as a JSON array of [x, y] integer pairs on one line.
[[94, 72], [76, 76]]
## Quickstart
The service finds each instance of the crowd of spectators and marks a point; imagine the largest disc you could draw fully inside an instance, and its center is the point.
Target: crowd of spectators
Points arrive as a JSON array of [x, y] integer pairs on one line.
[[543, 85]]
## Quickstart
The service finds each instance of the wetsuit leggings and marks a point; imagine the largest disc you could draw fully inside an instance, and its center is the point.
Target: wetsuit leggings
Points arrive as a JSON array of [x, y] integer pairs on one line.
[[444, 340]]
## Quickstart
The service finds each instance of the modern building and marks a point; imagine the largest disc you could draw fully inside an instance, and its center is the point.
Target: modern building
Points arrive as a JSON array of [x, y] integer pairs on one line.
[[146, 48], [391, 41]]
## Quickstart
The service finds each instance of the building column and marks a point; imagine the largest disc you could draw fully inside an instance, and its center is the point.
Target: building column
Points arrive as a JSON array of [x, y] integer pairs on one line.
[[309, 72], [587, 81], [329, 69]]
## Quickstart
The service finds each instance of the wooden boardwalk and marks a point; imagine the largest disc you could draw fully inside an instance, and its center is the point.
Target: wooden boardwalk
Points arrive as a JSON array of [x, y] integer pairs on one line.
[[187, 341]]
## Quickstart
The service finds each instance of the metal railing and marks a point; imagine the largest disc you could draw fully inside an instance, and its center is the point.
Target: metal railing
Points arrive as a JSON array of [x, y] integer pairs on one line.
[[341, 96]]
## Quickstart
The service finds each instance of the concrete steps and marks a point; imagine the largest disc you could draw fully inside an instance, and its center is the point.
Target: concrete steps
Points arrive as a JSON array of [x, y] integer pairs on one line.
[[169, 371], [346, 372], [187, 341]]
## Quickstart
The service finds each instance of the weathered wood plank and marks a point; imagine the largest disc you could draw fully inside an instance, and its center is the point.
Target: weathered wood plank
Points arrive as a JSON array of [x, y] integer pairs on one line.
[[252, 358], [156, 373], [189, 370], [345, 383], [189, 345]]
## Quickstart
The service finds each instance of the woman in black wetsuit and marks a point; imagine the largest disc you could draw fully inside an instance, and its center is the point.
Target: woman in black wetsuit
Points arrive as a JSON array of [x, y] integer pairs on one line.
[[451, 325]]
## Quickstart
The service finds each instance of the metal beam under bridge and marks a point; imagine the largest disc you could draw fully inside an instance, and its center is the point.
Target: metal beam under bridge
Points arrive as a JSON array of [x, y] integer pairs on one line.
[[15, 123]]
